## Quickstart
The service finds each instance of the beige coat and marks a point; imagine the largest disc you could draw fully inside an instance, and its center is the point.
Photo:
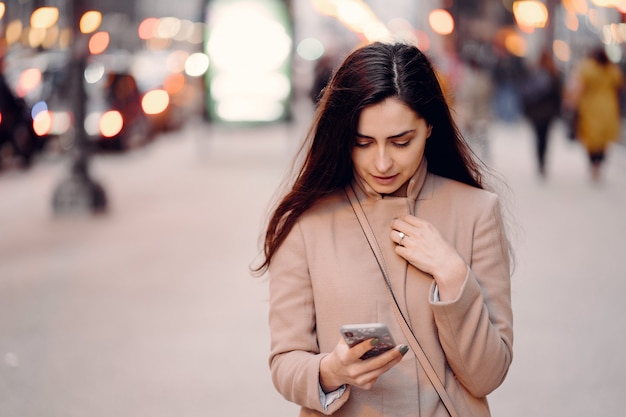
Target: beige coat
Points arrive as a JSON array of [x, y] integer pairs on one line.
[[324, 275]]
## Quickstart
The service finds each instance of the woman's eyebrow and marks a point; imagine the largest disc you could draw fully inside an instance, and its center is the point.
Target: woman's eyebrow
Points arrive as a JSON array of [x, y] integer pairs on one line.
[[396, 136]]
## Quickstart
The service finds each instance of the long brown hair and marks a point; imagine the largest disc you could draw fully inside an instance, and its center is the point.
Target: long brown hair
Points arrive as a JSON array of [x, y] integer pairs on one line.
[[368, 76]]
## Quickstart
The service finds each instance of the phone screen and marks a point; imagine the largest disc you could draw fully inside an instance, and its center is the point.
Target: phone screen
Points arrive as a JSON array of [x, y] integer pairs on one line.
[[356, 333]]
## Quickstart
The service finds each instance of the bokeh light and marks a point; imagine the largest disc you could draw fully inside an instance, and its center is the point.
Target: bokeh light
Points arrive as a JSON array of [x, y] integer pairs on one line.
[[51, 37], [174, 83], [185, 30], [94, 72], [155, 101], [571, 21], [310, 49], [61, 122], [13, 31], [147, 28], [516, 44], [42, 123], [530, 13], [175, 61], [90, 21], [197, 64], [168, 27], [576, 6], [44, 17], [36, 36], [111, 123], [614, 52], [28, 80], [266, 50], [561, 50], [441, 21], [98, 43], [38, 107]]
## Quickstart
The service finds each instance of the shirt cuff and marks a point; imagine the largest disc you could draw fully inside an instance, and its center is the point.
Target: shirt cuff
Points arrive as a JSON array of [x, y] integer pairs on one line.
[[327, 398], [436, 294]]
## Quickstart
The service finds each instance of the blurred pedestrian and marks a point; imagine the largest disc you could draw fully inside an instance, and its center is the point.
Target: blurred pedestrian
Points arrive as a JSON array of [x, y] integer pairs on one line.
[[388, 217], [473, 103], [508, 73], [597, 86], [541, 100]]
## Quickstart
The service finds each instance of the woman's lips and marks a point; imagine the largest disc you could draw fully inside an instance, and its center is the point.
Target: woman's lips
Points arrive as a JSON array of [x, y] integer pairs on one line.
[[385, 180]]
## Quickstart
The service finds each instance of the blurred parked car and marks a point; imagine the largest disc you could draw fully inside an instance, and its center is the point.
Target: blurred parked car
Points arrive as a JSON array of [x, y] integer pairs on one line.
[[115, 118], [126, 104]]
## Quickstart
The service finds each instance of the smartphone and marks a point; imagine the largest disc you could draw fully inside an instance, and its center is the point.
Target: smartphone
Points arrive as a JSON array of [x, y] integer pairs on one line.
[[354, 334]]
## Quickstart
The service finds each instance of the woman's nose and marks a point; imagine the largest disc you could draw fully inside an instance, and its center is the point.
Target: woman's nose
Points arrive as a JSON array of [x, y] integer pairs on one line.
[[383, 161]]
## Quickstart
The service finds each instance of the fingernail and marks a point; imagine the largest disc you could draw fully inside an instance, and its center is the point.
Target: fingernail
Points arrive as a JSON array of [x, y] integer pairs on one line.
[[374, 342], [403, 349]]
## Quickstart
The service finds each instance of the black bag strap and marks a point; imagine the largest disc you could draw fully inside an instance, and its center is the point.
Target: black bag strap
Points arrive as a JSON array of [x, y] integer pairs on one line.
[[404, 324]]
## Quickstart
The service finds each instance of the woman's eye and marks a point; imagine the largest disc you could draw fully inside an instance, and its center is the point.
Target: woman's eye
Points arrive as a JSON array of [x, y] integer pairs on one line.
[[402, 144], [362, 144]]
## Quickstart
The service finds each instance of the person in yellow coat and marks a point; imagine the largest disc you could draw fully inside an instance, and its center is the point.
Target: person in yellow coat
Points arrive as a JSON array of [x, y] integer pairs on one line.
[[597, 87]]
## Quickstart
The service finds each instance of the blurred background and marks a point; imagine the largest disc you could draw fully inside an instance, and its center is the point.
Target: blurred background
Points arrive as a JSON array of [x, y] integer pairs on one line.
[[148, 67], [142, 143]]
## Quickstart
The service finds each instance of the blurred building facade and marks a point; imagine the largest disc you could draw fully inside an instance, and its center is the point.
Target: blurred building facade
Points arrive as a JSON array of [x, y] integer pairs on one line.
[[319, 28]]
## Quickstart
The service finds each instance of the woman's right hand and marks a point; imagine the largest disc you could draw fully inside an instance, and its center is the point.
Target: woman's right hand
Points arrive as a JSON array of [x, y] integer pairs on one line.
[[344, 366]]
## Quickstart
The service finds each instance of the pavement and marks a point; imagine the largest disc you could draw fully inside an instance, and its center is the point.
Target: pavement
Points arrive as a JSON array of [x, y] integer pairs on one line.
[[150, 309]]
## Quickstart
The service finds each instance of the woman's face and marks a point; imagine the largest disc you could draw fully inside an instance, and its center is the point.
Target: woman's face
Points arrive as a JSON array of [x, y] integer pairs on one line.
[[389, 145]]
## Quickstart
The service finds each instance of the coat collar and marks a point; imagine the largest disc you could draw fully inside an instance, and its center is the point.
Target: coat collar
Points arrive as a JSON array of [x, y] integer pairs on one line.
[[417, 187]]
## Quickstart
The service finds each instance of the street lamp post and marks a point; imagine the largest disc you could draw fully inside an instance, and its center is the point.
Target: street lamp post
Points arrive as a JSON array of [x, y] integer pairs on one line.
[[79, 193]]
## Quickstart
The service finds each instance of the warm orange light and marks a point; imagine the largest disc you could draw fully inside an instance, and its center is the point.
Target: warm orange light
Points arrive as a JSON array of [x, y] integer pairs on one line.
[[111, 123], [515, 44], [148, 28], [581, 6], [576, 6], [29, 79], [174, 83], [2, 10], [98, 43], [530, 13], [36, 36], [13, 31], [155, 101], [90, 21], [51, 38], [44, 17], [42, 124], [561, 50], [441, 21], [571, 21]]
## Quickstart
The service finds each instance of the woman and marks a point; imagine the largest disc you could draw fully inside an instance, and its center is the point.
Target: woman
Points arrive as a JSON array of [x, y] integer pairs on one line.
[[596, 96], [383, 128]]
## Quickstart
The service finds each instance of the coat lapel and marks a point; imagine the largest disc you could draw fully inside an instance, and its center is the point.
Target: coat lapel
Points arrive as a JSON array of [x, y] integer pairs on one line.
[[380, 211]]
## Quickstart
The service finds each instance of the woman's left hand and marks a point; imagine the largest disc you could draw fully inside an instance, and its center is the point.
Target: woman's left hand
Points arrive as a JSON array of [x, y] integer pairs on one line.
[[421, 244]]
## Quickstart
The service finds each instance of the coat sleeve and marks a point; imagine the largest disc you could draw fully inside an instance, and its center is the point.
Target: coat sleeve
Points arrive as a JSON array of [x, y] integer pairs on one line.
[[295, 355], [476, 329]]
